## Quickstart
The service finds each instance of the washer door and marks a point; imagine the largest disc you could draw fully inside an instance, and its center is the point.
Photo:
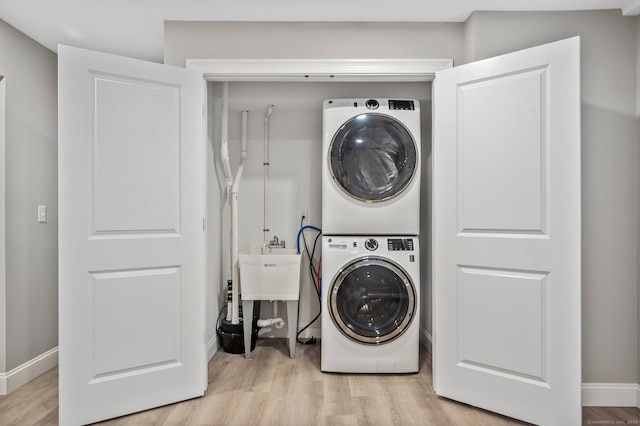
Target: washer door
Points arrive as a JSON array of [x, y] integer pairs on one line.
[[372, 300], [373, 157]]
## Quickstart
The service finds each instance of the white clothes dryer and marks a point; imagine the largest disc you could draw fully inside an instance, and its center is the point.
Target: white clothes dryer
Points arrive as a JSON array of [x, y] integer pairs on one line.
[[370, 302], [371, 167]]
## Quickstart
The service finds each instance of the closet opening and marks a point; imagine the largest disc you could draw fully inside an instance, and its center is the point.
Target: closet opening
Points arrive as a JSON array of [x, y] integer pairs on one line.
[[295, 157]]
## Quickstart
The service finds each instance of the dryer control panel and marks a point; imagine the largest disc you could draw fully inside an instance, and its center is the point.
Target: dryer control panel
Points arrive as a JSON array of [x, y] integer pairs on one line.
[[400, 244]]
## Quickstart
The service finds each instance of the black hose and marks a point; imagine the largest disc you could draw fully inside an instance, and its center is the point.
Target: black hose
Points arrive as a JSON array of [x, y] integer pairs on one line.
[[314, 273]]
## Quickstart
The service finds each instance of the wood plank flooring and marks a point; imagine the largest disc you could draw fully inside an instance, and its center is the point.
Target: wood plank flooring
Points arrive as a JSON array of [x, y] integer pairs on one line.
[[272, 389]]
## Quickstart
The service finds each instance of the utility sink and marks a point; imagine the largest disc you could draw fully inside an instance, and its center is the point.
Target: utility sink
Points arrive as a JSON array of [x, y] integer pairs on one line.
[[274, 275]]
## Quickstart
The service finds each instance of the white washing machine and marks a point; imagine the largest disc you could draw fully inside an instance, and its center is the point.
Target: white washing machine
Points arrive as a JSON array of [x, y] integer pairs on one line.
[[370, 302], [371, 167]]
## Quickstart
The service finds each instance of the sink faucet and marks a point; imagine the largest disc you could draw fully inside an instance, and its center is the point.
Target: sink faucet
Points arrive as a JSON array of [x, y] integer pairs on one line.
[[275, 243]]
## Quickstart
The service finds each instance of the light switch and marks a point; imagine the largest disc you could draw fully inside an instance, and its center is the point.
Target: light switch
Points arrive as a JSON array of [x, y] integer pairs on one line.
[[42, 214]]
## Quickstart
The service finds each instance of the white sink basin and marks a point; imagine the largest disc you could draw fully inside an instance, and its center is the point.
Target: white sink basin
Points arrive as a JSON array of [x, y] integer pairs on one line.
[[274, 275]]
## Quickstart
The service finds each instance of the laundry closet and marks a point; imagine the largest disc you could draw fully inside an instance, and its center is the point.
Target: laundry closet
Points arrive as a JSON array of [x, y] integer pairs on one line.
[[142, 220], [295, 157]]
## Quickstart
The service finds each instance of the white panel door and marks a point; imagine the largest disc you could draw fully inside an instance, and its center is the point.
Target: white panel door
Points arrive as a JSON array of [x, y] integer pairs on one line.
[[131, 240], [507, 234]]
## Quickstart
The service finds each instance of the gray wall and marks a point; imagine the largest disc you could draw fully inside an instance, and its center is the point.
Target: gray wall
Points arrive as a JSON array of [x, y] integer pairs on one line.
[[30, 72], [609, 130], [286, 40], [609, 171]]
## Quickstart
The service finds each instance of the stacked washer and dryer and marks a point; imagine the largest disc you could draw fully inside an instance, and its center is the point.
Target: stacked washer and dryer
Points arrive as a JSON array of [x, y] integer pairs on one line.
[[370, 225]]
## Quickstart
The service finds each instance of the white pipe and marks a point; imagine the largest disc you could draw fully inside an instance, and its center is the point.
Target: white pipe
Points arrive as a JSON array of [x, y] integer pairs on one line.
[[224, 155], [245, 117], [235, 303], [265, 229], [225, 133], [243, 155], [235, 188], [275, 313], [276, 322]]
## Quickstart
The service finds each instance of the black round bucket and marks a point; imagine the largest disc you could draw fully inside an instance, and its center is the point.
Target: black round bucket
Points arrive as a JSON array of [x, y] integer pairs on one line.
[[232, 335]]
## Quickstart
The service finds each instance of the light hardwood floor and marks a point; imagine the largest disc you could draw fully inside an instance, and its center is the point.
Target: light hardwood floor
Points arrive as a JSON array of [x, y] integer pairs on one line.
[[271, 389]]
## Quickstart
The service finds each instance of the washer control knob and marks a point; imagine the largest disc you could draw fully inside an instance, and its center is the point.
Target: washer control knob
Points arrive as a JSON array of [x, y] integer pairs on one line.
[[371, 244], [372, 104]]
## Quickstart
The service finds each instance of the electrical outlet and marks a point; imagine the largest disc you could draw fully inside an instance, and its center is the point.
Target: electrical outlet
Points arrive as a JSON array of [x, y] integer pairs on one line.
[[304, 214]]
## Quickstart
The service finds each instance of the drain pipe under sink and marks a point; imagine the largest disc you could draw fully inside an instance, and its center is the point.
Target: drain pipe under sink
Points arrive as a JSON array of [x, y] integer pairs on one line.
[[276, 322]]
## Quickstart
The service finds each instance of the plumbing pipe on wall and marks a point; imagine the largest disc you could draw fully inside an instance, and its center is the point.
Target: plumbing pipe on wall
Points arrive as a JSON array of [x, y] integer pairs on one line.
[[232, 188], [235, 188], [226, 165], [265, 228]]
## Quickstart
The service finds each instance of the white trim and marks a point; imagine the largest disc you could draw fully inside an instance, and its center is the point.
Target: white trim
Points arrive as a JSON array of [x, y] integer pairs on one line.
[[28, 371], [335, 70], [632, 8], [611, 395], [318, 69]]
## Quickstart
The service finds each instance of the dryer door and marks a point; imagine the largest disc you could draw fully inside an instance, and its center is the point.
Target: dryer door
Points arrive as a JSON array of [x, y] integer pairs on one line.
[[373, 157], [372, 300]]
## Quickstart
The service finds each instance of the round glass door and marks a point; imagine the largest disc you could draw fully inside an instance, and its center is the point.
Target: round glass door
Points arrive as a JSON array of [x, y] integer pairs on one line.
[[373, 157], [372, 300]]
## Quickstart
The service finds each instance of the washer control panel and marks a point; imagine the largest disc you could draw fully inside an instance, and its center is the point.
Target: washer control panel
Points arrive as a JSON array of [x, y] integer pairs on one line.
[[378, 244], [403, 105]]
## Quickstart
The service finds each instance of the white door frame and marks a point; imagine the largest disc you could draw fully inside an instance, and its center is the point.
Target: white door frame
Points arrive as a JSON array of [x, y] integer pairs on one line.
[[319, 70]]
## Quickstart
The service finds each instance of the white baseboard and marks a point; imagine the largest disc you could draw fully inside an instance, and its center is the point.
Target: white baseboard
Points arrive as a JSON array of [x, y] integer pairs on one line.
[[426, 340], [28, 371], [611, 395]]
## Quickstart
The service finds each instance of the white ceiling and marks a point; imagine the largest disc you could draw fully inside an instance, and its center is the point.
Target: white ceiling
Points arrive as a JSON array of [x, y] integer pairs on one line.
[[135, 27]]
